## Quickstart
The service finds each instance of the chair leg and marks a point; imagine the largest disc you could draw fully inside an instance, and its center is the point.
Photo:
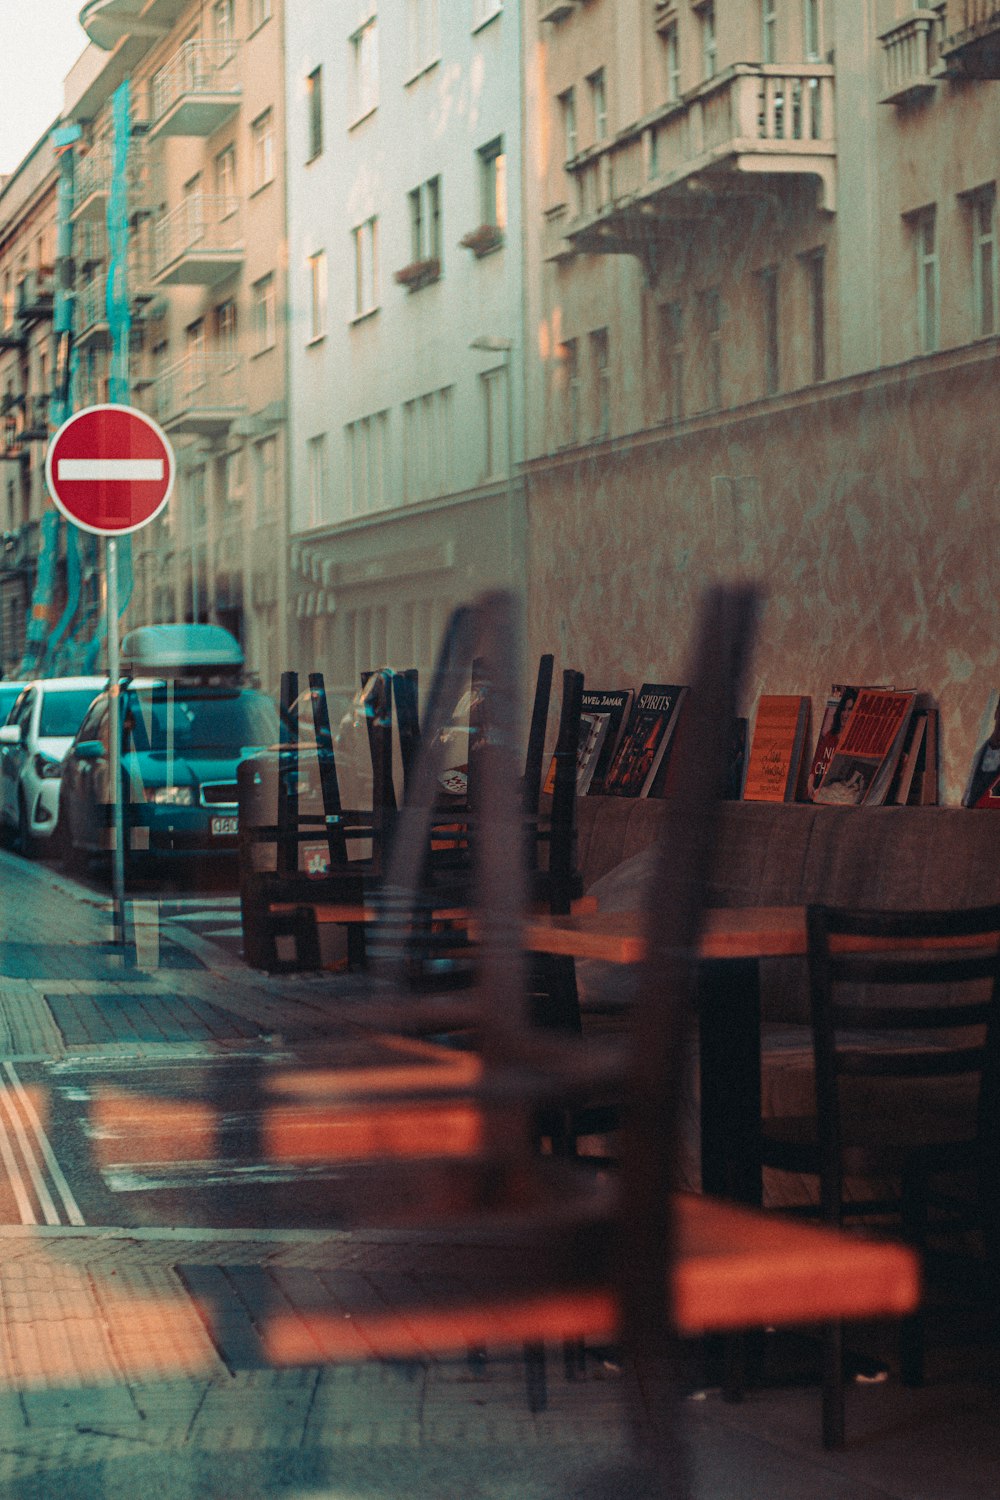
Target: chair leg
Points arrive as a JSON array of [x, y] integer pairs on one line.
[[534, 1377], [833, 1385], [914, 1222]]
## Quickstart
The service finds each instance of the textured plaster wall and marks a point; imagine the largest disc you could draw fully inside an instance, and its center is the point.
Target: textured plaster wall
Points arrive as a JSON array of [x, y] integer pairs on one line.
[[868, 511]]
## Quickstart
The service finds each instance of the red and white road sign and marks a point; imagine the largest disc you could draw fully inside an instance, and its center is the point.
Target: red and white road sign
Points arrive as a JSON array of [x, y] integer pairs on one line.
[[110, 469]]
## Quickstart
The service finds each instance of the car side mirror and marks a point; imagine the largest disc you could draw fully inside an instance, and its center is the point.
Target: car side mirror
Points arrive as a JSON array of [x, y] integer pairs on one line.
[[88, 750], [10, 734]]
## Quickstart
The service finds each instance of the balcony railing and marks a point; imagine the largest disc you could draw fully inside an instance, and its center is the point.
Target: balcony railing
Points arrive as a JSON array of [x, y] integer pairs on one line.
[[910, 51], [197, 90], [766, 120], [198, 243], [202, 393], [971, 47], [91, 312], [35, 293], [92, 176]]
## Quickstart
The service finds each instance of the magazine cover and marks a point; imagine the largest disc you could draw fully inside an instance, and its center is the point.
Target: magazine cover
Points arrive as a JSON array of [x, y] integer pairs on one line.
[[646, 740], [865, 760]]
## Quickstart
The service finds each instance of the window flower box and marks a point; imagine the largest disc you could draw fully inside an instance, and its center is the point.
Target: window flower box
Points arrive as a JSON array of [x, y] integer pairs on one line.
[[483, 239], [419, 273]]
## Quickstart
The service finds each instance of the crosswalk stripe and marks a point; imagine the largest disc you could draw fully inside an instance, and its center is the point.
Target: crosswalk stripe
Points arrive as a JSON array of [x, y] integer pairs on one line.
[[24, 1205], [29, 1158], [63, 1188]]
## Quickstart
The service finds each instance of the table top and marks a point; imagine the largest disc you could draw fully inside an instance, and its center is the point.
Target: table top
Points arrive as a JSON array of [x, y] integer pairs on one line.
[[736, 1268], [617, 937]]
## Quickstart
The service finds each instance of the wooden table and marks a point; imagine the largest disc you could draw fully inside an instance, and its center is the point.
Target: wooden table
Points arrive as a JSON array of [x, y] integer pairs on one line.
[[736, 1268], [734, 939]]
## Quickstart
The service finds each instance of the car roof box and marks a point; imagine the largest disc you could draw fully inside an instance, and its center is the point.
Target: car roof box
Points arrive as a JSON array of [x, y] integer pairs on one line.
[[180, 651]]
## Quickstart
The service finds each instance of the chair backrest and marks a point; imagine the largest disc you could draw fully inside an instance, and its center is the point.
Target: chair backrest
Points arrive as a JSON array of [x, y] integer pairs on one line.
[[665, 1009], [900, 994]]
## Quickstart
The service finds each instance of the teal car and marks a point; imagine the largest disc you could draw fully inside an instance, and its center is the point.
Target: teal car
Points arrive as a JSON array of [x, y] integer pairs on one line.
[[183, 736]]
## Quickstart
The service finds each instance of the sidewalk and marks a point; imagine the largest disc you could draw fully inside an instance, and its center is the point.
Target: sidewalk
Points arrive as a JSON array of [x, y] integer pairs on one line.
[[115, 1380]]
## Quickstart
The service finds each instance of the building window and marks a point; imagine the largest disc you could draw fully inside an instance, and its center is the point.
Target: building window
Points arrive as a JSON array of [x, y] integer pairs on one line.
[[226, 333], [567, 109], [260, 11], [365, 244], [493, 183], [709, 59], [711, 322], [570, 366], [982, 206], [769, 329], [600, 366], [314, 105], [425, 221], [598, 104], [925, 226], [264, 319], [262, 145], [815, 265], [811, 28], [317, 294], [225, 181], [317, 472], [672, 62], [223, 20], [427, 445], [265, 464], [672, 360], [366, 443], [768, 31], [234, 470], [484, 10], [493, 384], [423, 35], [364, 70]]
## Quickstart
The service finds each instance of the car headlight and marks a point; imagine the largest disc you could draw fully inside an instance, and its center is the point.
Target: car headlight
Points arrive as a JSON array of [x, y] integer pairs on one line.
[[47, 769], [171, 796]]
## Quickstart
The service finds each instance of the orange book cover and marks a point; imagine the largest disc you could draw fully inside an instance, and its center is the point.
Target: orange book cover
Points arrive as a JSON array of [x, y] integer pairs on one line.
[[776, 748]]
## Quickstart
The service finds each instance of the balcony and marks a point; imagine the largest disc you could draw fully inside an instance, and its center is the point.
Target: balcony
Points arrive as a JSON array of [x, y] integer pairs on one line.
[[107, 21], [12, 337], [749, 131], [92, 182], [197, 91], [971, 47], [35, 293], [202, 394], [910, 56], [91, 319], [198, 243], [556, 10], [36, 420]]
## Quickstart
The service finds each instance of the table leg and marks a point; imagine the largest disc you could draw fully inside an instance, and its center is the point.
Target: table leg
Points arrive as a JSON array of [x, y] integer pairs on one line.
[[729, 1068]]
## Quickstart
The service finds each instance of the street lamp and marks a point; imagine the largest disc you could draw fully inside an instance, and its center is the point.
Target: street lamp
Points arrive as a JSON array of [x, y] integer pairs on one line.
[[491, 343]]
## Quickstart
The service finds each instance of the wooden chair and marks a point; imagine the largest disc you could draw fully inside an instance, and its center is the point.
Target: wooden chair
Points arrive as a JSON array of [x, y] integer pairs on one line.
[[905, 1044]]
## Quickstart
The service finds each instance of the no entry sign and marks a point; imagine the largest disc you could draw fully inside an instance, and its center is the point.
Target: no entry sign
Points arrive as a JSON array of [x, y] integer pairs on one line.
[[110, 469]]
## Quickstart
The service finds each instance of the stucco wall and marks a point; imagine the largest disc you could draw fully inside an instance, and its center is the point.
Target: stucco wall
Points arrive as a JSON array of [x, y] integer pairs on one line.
[[866, 508]]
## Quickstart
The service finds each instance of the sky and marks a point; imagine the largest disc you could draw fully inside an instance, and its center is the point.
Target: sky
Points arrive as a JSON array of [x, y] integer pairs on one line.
[[40, 41]]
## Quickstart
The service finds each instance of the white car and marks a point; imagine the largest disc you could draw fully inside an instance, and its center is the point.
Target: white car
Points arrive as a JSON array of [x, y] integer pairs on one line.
[[39, 730]]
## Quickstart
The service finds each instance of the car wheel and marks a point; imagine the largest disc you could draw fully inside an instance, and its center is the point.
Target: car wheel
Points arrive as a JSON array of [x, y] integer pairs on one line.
[[28, 845]]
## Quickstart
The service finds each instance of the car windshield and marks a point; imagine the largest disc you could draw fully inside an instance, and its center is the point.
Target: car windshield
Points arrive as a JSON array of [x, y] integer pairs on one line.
[[8, 697], [62, 713], [165, 719]]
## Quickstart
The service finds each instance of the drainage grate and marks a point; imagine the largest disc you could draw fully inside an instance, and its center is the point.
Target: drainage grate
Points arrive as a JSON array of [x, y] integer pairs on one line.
[[118, 1016]]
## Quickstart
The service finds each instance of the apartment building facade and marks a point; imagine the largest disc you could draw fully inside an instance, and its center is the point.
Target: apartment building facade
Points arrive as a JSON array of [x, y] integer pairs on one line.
[[762, 269], [406, 344], [204, 208], [27, 295]]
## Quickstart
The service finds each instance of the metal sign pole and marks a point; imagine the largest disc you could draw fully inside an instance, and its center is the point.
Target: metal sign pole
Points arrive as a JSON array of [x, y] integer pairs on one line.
[[115, 745]]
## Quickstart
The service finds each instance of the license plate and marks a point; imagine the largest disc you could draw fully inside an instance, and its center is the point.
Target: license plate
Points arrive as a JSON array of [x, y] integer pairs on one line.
[[221, 826]]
